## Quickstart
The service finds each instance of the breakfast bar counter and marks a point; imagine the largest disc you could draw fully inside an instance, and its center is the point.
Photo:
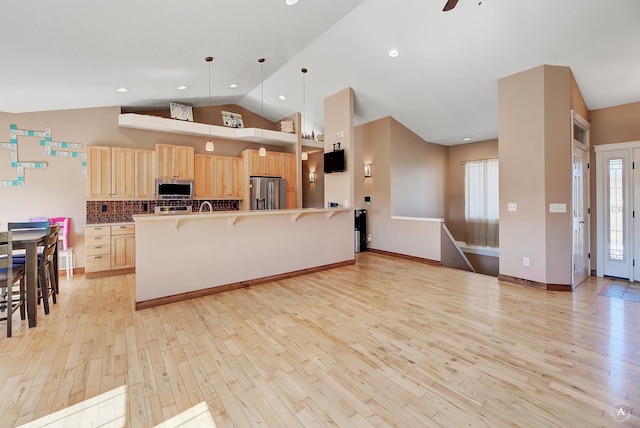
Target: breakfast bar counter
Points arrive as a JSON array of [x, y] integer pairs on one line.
[[188, 255]]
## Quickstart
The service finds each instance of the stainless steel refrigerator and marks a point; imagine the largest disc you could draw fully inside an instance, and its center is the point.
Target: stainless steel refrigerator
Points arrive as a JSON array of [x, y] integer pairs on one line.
[[268, 193]]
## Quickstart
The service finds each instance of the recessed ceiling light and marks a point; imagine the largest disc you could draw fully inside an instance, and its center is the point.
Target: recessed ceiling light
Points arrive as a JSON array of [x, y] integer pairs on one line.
[[290, 2], [394, 53], [282, 97], [467, 139], [233, 85], [121, 90], [182, 88]]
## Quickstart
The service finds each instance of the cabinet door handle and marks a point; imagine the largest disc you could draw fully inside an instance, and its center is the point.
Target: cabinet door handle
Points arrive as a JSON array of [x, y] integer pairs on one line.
[[97, 257], [97, 237], [98, 247]]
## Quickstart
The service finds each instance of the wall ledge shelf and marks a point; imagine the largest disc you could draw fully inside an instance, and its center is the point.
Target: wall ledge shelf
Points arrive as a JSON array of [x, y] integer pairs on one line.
[[162, 124]]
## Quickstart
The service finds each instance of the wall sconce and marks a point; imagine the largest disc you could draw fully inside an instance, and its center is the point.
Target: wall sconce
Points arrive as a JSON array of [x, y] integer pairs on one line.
[[367, 170], [312, 177]]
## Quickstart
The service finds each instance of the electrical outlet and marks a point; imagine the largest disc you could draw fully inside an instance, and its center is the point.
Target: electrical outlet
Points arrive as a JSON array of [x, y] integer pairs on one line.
[[369, 237], [525, 261]]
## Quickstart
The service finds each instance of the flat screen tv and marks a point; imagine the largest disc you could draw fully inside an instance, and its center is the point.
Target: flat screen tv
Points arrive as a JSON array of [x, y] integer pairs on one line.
[[334, 161]]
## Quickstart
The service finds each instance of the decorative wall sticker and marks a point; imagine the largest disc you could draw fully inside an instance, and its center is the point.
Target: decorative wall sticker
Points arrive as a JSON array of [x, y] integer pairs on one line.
[[50, 149]]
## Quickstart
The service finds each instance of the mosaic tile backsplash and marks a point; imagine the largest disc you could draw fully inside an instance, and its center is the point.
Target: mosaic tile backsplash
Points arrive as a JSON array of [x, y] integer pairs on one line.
[[123, 211]]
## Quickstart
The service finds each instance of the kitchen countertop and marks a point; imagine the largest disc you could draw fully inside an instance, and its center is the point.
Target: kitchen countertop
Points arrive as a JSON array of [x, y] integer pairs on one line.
[[117, 223]]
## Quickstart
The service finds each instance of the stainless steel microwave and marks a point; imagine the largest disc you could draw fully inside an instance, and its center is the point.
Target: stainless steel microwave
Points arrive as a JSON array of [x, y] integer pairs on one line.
[[171, 189]]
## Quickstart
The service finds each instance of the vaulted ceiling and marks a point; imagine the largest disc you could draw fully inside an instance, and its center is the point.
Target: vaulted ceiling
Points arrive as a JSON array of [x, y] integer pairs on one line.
[[443, 84]]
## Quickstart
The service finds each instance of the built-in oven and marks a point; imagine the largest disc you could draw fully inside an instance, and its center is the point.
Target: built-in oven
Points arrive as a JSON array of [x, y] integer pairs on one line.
[[172, 189]]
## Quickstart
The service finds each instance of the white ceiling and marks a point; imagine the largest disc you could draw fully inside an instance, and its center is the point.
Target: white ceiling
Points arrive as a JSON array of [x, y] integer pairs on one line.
[[443, 85]]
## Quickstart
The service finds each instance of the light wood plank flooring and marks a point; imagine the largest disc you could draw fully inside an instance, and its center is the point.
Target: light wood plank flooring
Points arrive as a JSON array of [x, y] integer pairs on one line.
[[385, 342]]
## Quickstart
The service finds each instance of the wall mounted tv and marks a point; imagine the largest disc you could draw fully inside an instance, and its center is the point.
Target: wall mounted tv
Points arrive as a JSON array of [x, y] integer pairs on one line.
[[334, 161]]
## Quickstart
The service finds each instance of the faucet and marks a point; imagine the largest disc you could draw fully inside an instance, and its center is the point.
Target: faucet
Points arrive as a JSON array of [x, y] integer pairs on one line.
[[205, 203]]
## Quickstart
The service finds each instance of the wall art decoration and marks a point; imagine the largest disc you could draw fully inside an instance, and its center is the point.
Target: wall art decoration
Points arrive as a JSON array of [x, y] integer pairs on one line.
[[51, 148]]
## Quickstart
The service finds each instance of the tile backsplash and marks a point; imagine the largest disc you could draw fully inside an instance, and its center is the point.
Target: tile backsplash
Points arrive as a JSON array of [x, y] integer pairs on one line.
[[123, 211]]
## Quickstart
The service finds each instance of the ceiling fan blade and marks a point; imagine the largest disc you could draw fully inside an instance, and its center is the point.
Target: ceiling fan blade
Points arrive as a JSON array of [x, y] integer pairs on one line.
[[450, 5]]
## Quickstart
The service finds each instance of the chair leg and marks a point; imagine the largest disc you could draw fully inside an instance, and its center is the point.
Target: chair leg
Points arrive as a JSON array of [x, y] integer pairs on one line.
[[9, 305], [23, 299], [53, 284], [42, 294]]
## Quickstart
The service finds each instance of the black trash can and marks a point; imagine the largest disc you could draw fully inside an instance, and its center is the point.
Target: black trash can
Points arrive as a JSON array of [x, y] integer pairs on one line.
[[360, 231]]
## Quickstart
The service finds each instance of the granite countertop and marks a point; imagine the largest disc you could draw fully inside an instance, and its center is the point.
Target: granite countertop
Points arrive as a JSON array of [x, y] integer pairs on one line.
[[115, 223]]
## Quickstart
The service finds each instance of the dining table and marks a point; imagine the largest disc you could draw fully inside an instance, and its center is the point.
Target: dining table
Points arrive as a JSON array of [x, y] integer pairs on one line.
[[29, 240]]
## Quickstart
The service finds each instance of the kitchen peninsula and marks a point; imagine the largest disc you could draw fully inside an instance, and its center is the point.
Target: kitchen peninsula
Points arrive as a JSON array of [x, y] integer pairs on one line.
[[189, 255]]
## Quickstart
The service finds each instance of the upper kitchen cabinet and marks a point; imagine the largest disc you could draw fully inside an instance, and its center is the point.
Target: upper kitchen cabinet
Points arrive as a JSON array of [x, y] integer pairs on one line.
[[110, 172], [145, 171], [122, 172], [174, 161], [228, 177], [98, 172], [264, 166], [203, 171]]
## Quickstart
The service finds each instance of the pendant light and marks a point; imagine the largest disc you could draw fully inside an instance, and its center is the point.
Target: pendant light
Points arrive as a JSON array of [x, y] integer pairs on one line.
[[304, 155], [262, 152], [209, 146]]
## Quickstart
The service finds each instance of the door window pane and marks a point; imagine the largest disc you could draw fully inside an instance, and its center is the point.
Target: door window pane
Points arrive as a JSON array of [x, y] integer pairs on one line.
[[616, 206]]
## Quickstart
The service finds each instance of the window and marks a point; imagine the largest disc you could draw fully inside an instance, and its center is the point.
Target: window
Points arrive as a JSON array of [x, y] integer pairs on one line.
[[481, 202]]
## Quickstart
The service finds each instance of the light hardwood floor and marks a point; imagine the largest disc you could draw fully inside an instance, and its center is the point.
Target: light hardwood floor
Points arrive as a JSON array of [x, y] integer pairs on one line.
[[385, 342]]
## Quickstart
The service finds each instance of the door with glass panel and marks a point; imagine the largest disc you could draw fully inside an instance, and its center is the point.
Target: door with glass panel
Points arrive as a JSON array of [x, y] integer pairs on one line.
[[616, 213], [635, 216]]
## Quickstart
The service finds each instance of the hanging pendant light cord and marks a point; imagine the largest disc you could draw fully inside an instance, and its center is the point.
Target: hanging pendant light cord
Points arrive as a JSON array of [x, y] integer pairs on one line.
[[209, 97], [261, 61]]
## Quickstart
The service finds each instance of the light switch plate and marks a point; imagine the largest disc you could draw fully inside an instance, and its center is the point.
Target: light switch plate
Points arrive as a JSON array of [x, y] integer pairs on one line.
[[512, 206], [557, 208]]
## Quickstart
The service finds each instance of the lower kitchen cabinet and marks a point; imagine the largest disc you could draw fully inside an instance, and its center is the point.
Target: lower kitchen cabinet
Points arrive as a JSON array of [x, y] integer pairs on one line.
[[123, 250], [109, 248]]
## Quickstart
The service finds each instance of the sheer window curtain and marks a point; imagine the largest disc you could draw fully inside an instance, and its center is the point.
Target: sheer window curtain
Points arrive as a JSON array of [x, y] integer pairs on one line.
[[481, 202]]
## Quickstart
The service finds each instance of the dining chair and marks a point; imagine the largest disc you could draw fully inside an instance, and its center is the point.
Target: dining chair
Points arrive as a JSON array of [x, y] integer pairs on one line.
[[65, 252], [47, 271], [10, 299]]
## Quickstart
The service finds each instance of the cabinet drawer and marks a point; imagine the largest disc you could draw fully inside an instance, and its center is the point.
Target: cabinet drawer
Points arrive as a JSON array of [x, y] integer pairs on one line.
[[123, 230], [90, 241], [97, 250], [97, 230], [97, 263]]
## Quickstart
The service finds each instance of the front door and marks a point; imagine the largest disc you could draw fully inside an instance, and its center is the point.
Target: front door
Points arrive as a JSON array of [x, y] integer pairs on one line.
[[616, 213]]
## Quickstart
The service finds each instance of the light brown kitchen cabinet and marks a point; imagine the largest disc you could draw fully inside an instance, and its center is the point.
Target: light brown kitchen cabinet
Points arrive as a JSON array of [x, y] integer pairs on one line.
[[289, 174], [145, 171], [274, 164], [256, 164], [174, 161], [123, 251], [97, 247], [98, 172], [227, 181], [122, 172], [109, 248], [264, 166], [111, 172], [204, 180]]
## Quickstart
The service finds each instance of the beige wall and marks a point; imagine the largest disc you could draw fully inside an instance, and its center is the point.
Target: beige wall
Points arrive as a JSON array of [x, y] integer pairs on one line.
[[535, 170], [455, 186], [338, 117], [375, 143], [558, 173], [59, 189], [418, 175], [313, 193], [609, 125]]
